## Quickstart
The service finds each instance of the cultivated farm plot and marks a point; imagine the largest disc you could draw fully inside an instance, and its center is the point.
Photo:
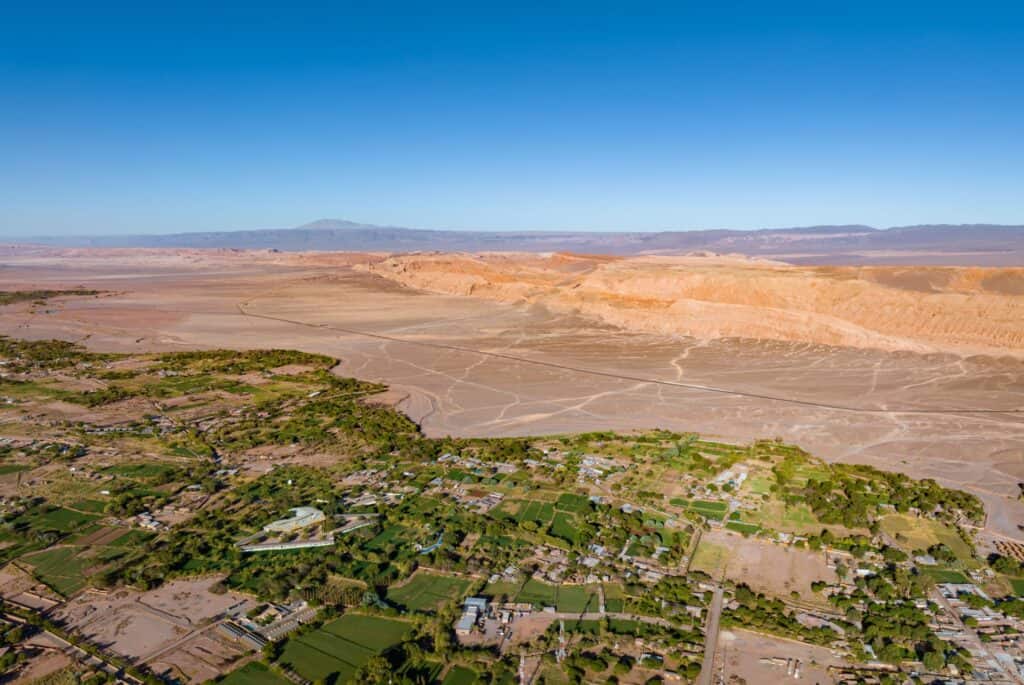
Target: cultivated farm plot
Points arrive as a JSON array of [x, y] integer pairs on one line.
[[709, 509], [140, 470], [460, 675], [254, 673], [66, 568], [60, 568], [58, 519], [538, 593], [614, 598], [532, 510], [428, 591], [944, 575], [577, 599], [565, 598], [572, 502], [342, 646], [564, 526]]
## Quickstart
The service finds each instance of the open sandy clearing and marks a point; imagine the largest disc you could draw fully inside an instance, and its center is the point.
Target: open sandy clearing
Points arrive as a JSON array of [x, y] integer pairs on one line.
[[758, 658]]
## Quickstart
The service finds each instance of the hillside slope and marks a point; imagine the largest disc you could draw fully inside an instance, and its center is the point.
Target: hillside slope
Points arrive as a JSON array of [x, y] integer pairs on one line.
[[923, 309]]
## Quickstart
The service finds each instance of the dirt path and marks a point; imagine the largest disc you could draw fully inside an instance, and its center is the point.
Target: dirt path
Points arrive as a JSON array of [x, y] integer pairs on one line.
[[635, 379]]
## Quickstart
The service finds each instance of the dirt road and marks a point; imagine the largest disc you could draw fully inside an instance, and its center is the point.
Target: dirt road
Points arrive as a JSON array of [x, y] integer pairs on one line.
[[707, 669]]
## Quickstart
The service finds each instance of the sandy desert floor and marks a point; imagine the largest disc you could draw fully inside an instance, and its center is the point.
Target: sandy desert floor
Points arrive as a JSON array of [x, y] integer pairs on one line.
[[468, 366]]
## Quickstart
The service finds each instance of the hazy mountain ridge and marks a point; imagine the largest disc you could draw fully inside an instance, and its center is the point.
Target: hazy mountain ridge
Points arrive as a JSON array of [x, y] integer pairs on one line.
[[841, 243]]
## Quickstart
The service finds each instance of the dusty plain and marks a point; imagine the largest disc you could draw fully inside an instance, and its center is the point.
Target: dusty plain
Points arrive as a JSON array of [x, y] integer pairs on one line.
[[471, 364]]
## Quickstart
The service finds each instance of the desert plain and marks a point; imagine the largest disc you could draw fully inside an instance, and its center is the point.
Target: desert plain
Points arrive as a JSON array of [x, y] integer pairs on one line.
[[916, 369]]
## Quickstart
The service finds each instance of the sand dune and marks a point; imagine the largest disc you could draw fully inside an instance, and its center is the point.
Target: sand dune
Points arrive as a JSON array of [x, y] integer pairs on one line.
[[921, 309]]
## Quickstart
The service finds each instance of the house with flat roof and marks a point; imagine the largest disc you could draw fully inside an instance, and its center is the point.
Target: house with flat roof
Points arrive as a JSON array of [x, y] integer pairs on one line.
[[302, 517]]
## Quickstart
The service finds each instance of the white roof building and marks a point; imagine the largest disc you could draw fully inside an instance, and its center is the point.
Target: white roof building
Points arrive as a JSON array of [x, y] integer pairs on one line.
[[302, 517]]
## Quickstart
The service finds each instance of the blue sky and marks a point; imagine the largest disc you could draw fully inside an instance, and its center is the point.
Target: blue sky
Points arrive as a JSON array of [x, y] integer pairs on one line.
[[617, 116]]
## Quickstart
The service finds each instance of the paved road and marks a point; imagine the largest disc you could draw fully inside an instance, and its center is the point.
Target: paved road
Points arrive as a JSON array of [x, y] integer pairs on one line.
[[707, 669]]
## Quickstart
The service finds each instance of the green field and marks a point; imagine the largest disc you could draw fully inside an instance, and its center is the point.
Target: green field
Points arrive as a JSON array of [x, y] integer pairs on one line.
[[913, 533], [538, 593], [614, 597], [622, 626], [389, 536], [708, 509], [569, 598], [1018, 586], [460, 675], [254, 673], [57, 519], [564, 526], [588, 627], [60, 568], [428, 591], [760, 485], [12, 468], [743, 527], [532, 510], [577, 599], [569, 501], [142, 470], [90, 506], [944, 575], [342, 646], [777, 515]]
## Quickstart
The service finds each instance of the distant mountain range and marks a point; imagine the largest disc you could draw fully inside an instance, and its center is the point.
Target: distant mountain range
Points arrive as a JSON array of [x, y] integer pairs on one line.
[[937, 244]]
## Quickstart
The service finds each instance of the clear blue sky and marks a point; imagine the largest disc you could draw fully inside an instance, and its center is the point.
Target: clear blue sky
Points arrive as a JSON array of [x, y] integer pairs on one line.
[[157, 117]]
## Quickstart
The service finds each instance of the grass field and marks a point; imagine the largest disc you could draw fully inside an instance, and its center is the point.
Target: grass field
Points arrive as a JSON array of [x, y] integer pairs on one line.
[[569, 501], [58, 519], [342, 646], [708, 509], [913, 533], [460, 675], [944, 575], [90, 506], [564, 526], [428, 591], [760, 485], [388, 536], [531, 510], [577, 599], [12, 468], [141, 470], [254, 673], [622, 626], [614, 597], [710, 558], [568, 598], [1018, 586], [743, 527], [60, 568], [536, 592], [583, 626], [776, 515], [501, 588]]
